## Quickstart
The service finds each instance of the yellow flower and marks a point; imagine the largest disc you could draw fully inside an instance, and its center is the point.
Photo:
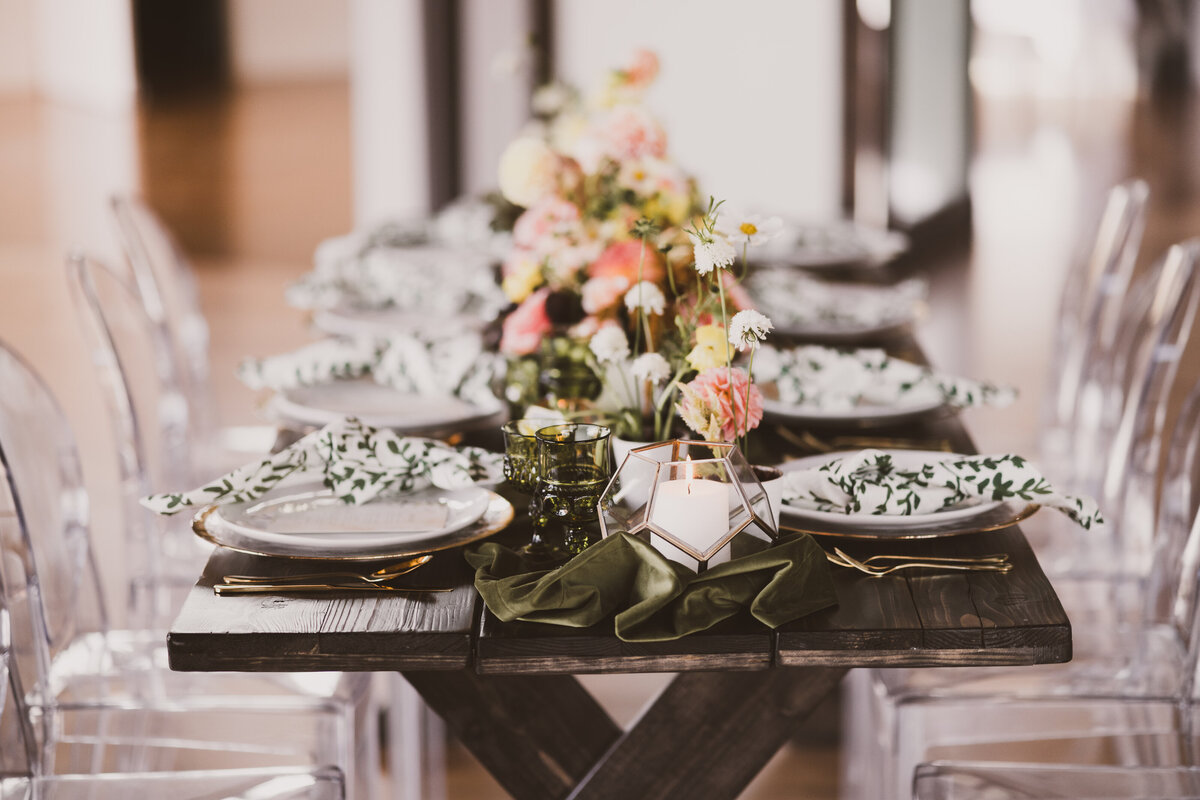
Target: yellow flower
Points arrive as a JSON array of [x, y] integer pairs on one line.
[[526, 275], [529, 170], [710, 349], [673, 206]]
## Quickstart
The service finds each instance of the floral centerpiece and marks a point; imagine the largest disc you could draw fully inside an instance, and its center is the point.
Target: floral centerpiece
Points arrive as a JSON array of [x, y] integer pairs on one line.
[[616, 263]]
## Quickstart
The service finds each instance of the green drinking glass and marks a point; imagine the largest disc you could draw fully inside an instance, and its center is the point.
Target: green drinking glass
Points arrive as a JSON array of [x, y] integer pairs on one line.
[[573, 469], [520, 453]]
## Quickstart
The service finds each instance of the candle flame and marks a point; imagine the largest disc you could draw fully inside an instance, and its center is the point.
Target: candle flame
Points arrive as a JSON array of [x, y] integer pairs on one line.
[[689, 472]]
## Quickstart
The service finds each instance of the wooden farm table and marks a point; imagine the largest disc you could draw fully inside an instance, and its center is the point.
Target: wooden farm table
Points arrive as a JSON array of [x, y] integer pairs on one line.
[[507, 691]]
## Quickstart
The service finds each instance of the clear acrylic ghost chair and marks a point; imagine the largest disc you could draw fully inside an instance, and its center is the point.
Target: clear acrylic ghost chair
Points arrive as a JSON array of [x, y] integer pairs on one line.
[[1118, 446], [147, 405], [1092, 598], [1089, 313], [166, 284], [149, 415], [1129, 501], [991, 781], [23, 776], [1123, 680], [115, 682]]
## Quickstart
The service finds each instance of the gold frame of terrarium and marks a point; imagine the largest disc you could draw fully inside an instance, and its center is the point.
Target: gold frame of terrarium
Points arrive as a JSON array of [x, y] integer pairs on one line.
[[674, 463]]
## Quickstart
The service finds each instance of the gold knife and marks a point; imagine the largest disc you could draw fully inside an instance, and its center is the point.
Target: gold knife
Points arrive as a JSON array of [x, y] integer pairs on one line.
[[281, 588]]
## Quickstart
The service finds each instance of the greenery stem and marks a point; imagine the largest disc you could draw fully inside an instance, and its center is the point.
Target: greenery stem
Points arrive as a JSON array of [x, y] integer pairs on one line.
[[641, 314], [728, 353], [749, 378]]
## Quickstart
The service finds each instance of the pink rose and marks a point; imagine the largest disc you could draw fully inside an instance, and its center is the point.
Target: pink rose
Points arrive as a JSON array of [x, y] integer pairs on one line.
[[600, 294], [550, 217], [630, 132], [642, 71], [622, 259], [526, 325], [711, 409]]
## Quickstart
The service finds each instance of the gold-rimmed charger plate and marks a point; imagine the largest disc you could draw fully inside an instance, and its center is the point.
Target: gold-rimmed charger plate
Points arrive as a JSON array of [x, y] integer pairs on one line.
[[1003, 516], [496, 517]]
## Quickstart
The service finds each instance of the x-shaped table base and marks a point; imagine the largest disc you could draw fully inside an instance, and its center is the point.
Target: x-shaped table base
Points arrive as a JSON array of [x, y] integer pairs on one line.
[[706, 735]]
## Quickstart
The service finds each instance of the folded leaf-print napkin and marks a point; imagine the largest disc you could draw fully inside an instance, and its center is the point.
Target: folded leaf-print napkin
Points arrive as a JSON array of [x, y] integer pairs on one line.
[[457, 366], [823, 378], [371, 272], [358, 462], [869, 482], [790, 298]]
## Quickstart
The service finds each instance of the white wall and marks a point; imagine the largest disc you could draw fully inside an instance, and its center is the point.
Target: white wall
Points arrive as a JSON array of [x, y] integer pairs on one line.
[[387, 99], [281, 40], [931, 128], [16, 46], [83, 52], [750, 92], [496, 78]]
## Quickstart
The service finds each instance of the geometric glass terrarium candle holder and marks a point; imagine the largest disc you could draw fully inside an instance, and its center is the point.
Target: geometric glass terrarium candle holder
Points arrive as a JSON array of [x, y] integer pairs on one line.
[[690, 498]]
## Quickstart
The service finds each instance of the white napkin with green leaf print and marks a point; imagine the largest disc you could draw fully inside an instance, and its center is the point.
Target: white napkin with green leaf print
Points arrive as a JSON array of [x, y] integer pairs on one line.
[[828, 379], [358, 462], [457, 366], [869, 482], [374, 271]]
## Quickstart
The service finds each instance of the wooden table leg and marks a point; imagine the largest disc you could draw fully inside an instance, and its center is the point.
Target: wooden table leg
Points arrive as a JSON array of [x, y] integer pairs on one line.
[[538, 735], [708, 734]]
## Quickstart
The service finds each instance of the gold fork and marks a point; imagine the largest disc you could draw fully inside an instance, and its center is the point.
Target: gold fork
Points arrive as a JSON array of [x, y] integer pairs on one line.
[[997, 558], [878, 572]]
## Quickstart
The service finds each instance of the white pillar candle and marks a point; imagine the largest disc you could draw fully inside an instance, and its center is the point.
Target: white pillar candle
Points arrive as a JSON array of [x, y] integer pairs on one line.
[[694, 511]]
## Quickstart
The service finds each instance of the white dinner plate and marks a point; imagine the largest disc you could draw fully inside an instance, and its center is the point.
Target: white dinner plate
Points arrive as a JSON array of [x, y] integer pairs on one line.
[[832, 245], [380, 323], [881, 523], [859, 415], [837, 332], [843, 331], [376, 405], [308, 521]]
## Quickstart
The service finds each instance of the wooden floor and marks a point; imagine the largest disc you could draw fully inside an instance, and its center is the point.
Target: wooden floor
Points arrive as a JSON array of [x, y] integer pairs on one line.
[[254, 181]]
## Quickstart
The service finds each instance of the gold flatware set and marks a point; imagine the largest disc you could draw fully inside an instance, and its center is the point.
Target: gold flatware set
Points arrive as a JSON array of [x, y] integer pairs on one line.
[[342, 581], [879, 565]]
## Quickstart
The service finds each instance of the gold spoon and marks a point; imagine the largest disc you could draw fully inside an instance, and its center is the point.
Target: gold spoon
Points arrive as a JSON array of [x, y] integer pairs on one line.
[[378, 576]]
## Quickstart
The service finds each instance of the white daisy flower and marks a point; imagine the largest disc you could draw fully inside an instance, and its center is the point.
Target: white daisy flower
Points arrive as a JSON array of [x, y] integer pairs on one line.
[[650, 367], [712, 251], [748, 328], [609, 345], [754, 229], [646, 296]]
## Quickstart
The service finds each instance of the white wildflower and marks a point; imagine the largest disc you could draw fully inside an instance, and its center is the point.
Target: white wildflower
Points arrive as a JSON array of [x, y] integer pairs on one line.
[[712, 251], [552, 98], [650, 367], [748, 328], [609, 345], [646, 296], [752, 229]]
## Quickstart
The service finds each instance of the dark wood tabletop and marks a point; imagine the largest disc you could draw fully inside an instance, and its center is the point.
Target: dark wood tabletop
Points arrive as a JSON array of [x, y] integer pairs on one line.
[[480, 673]]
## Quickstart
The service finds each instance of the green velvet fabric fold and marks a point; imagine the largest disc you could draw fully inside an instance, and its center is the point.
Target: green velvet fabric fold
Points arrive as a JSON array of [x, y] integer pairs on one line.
[[649, 597]]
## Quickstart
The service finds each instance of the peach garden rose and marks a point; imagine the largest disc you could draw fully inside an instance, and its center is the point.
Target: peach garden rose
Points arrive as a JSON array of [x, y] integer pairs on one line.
[[714, 404]]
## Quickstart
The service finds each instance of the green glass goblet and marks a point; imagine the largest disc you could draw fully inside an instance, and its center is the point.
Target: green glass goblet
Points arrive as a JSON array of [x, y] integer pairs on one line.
[[520, 453], [573, 469]]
